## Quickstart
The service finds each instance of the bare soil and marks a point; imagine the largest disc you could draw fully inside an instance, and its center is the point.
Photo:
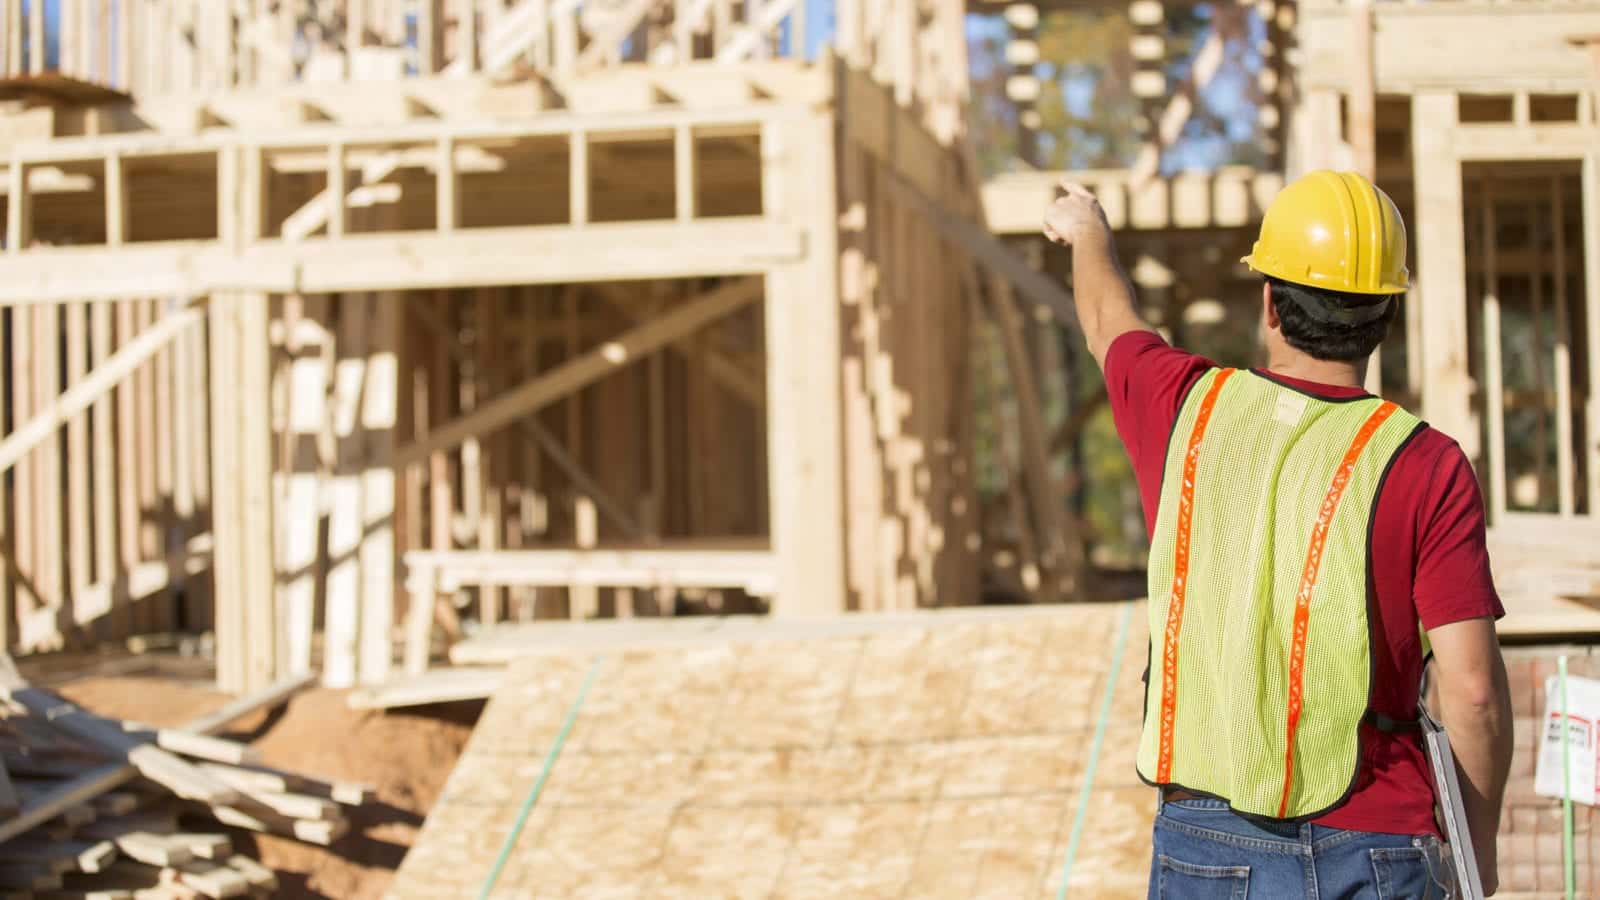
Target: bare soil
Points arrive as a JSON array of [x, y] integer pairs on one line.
[[405, 756]]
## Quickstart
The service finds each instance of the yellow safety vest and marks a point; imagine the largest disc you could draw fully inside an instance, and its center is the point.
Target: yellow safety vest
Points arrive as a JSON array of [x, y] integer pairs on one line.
[[1260, 650]]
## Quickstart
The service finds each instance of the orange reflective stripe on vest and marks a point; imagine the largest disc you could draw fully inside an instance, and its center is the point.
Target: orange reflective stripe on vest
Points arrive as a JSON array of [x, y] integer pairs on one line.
[[1180, 583], [1308, 586]]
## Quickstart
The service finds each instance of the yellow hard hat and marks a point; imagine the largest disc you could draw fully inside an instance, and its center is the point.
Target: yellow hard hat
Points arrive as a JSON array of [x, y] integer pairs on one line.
[[1334, 230]]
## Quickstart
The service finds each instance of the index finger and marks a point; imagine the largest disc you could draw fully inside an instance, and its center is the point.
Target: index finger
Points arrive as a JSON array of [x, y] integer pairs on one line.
[[1077, 190]]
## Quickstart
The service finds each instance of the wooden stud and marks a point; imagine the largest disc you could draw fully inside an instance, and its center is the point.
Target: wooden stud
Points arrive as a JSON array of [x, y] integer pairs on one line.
[[36, 42], [467, 33], [1441, 263], [448, 191], [684, 172], [342, 613], [336, 191], [427, 37], [144, 403], [578, 177], [492, 448], [127, 482], [1591, 284], [805, 477], [301, 512], [380, 400], [50, 563], [22, 538], [13, 37], [585, 602], [79, 537], [103, 462], [1537, 218], [1493, 362], [1566, 488]]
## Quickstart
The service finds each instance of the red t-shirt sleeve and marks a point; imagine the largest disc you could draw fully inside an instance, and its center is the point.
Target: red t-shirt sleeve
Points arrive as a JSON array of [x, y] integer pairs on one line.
[[1147, 380], [1453, 580]]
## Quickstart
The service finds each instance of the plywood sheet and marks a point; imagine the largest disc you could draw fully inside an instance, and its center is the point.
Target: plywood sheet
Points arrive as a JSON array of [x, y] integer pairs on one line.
[[927, 755]]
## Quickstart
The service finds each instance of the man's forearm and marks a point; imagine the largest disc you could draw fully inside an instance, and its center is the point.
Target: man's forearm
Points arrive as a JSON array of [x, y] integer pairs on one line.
[[1103, 294], [1479, 725]]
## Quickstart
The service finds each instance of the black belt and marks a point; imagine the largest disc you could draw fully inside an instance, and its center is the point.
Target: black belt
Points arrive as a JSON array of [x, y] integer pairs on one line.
[[1392, 726]]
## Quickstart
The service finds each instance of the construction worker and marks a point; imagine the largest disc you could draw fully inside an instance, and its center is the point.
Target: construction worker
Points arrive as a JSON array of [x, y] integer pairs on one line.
[[1301, 529]]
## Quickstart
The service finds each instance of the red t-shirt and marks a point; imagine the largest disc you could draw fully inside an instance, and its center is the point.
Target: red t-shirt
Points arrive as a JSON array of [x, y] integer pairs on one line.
[[1429, 563]]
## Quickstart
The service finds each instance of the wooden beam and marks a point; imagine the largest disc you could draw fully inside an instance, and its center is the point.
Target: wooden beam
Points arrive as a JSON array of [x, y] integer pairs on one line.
[[1441, 264], [591, 366], [390, 262], [441, 686], [805, 416]]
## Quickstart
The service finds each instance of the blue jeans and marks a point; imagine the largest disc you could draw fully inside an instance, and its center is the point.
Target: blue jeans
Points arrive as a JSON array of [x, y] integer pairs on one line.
[[1203, 851]]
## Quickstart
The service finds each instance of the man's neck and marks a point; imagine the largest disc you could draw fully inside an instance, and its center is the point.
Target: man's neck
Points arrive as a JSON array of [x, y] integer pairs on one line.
[[1306, 368]]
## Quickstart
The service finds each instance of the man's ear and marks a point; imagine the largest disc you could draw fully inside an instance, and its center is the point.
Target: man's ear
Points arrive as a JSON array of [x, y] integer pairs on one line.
[[1269, 311]]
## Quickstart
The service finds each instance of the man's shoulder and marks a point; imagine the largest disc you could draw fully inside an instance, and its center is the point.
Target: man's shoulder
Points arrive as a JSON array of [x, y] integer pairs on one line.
[[1431, 450], [1143, 362]]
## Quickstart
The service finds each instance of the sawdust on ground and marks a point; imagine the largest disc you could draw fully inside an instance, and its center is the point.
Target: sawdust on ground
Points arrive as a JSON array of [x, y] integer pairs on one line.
[[405, 757]]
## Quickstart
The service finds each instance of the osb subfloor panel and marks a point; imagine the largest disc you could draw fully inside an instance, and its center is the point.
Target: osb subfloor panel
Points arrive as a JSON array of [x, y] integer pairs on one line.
[[940, 761]]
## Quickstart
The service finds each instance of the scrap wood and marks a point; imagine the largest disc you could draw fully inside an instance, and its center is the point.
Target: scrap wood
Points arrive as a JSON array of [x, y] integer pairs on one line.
[[298, 806], [206, 846], [258, 875], [266, 821], [112, 775], [152, 849], [64, 856], [197, 746], [151, 761], [210, 879], [253, 779]]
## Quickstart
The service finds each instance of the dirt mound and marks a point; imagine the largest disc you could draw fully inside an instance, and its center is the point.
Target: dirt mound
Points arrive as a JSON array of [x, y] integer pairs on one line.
[[406, 757]]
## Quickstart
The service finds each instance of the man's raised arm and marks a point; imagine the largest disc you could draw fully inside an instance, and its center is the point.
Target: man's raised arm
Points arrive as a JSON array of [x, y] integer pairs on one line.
[[1101, 289]]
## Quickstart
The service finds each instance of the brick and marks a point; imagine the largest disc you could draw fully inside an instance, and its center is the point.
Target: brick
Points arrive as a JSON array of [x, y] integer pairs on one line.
[[1520, 674], [1524, 819], [1518, 848], [1518, 877], [1548, 852]]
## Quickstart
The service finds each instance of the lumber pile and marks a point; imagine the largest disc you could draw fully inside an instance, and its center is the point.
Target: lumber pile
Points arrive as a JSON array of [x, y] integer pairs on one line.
[[95, 807]]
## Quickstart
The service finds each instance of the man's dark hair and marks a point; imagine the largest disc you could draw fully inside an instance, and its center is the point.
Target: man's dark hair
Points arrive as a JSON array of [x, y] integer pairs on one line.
[[1308, 318]]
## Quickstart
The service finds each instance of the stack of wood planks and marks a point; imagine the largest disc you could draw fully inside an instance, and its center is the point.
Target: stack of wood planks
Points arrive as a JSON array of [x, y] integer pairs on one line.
[[94, 807]]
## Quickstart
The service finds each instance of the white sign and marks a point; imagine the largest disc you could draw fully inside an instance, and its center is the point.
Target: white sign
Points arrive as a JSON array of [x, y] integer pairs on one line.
[[1582, 724]]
